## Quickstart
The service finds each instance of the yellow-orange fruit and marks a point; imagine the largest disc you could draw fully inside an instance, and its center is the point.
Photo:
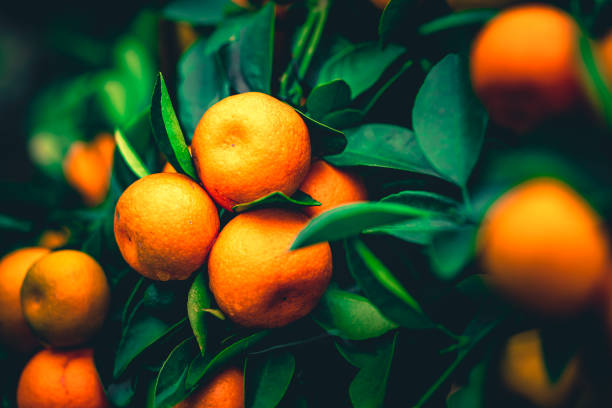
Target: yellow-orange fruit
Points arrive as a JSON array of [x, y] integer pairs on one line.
[[475, 4], [87, 168], [54, 238], [65, 298], [523, 371], [256, 280], [544, 248], [225, 390], [14, 330], [605, 52], [165, 224], [61, 379], [249, 145], [525, 66], [332, 187]]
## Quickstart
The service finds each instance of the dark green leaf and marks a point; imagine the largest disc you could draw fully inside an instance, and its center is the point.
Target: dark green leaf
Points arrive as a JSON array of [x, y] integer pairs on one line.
[[350, 219], [10, 223], [344, 118], [327, 98], [425, 200], [169, 385], [198, 12], [199, 299], [351, 316], [277, 198], [201, 366], [456, 20], [130, 156], [227, 31], [419, 231], [472, 394], [360, 65], [167, 130], [449, 121], [267, 379], [451, 250], [324, 140], [369, 387], [121, 394], [381, 145], [382, 288]]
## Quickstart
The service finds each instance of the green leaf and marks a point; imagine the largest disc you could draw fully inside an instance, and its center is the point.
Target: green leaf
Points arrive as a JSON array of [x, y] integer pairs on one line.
[[451, 250], [328, 97], [360, 65], [382, 288], [344, 118], [167, 130], [227, 31], [10, 223], [198, 299], [169, 385], [449, 121], [209, 12], [419, 231], [267, 379], [472, 394], [250, 56], [425, 200], [278, 198], [398, 20], [121, 394], [596, 81], [350, 219], [202, 82], [324, 140], [369, 387], [130, 156], [457, 20], [200, 366], [351, 316], [381, 145]]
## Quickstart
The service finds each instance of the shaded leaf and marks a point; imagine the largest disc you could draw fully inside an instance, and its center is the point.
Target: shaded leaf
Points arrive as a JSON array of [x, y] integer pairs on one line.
[[227, 31], [457, 20], [130, 156], [449, 121], [277, 198], [396, 17], [324, 140], [472, 394], [328, 97], [417, 231], [199, 299], [198, 12], [344, 118], [267, 379], [10, 223], [451, 250], [349, 315]]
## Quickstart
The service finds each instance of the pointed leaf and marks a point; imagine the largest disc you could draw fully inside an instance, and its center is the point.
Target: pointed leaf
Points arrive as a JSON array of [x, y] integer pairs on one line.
[[130, 156], [267, 379], [277, 198], [328, 97], [198, 12], [199, 299], [419, 231], [324, 140]]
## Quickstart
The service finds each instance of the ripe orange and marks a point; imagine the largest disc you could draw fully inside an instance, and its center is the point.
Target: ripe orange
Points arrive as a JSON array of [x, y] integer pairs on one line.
[[605, 51], [54, 238], [458, 5], [61, 379], [65, 298], [88, 166], [332, 187], [256, 280], [14, 330], [165, 224], [249, 145], [225, 390], [544, 247], [523, 371], [525, 66]]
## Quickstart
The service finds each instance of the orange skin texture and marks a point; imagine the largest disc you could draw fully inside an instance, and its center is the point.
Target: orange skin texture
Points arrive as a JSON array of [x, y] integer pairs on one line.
[[458, 5], [165, 224], [524, 65], [523, 371], [225, 390], [256, 280], [544, 248], [332, 187], [88, 167], [249, 145], [14, 330], [65, 298], [61, 379]]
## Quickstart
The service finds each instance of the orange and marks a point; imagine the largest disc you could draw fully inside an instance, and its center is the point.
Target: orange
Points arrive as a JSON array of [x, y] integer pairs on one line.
[[65, 298], [225, 390], [605, 50], [525, 66], [88, 166], [332, 187], [14, 330], [380, 4], [475, 4], [256, 280], [54, 238], [523, 371], [168, 168], [249, 145], [165, 224], [544, 247], [61, 379]]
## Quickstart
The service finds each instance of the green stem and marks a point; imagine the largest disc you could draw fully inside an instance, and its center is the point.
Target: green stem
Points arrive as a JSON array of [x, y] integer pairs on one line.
[[386, 86], [439, 382], [459, 339], [323, 8], [467, 202]]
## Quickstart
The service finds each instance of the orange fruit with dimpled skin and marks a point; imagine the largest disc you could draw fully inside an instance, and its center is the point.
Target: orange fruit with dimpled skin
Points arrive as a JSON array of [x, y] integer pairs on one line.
[[61, 379], [65, 298], [225, 390], [249, 145], [523, 371], [14, 330], [525, 66], [256, 280], [331, 187], [165, 224], [544, 247]]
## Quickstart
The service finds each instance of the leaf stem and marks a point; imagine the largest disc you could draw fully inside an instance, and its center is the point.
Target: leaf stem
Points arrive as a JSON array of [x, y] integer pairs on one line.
[[467, 201], [323, 11]]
